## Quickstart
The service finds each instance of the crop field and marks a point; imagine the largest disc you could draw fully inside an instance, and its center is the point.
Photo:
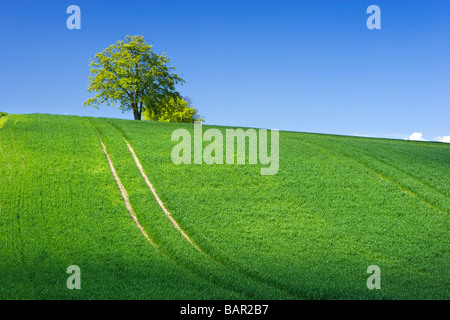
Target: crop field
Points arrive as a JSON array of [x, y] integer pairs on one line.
[[337, 205]]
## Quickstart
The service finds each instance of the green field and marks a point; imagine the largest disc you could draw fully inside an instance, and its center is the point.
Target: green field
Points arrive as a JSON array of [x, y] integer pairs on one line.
[[337, 205]]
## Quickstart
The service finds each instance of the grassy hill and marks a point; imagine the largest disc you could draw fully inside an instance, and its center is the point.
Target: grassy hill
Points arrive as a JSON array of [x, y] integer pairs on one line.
[[337, 205]]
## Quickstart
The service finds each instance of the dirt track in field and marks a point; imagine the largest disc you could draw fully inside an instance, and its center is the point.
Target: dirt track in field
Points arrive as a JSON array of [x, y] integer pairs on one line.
[[161, 204], [124, 193]]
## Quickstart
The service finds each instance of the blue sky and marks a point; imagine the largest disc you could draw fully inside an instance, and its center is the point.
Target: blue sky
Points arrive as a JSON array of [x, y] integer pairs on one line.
[[309, 66]]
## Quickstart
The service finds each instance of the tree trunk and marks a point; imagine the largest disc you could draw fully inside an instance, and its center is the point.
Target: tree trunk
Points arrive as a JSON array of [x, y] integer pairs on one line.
[[137, 114]]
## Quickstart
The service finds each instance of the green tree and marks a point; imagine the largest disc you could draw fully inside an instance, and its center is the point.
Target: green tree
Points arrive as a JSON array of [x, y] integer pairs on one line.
[[130, 74], [172, 110]]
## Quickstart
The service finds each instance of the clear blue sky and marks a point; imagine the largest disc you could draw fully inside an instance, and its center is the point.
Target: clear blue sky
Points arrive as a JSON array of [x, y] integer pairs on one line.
[[309, 66]]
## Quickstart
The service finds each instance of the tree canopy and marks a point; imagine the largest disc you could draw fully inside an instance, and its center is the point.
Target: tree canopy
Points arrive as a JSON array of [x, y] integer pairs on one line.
[[130, 74]]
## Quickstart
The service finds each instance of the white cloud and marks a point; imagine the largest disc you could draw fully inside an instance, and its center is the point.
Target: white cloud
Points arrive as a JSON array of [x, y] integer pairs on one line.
[[443, 139], [417, 136]]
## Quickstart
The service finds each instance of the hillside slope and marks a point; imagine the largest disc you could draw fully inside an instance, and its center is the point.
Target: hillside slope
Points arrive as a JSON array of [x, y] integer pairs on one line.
[[336, 206]]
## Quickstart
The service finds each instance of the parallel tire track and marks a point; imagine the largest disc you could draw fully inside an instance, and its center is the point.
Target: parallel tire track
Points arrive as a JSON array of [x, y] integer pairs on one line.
[[124, 193], [175, 224], [243, 273], [379, 174], [161, 204]]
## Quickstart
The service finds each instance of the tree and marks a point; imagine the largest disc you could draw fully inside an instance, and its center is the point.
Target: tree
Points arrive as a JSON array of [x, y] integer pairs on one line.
[[131, 74], [172, 110]]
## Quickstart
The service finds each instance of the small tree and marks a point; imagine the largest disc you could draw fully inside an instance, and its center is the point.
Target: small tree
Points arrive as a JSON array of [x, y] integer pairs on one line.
[[172, 110], [131, 74]]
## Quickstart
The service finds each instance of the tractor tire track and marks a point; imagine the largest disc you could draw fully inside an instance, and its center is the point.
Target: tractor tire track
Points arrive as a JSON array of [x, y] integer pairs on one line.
[[181, 231], [400, 185], [379, 175], [161, 204], [133, 214], [124, 192], [228, 266]]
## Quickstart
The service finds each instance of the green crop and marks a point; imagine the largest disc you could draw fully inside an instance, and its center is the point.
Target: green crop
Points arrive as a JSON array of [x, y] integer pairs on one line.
[[337, 205]]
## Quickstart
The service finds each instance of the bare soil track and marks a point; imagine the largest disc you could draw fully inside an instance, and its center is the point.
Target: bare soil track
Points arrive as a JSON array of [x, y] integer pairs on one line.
[[124, 193]]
